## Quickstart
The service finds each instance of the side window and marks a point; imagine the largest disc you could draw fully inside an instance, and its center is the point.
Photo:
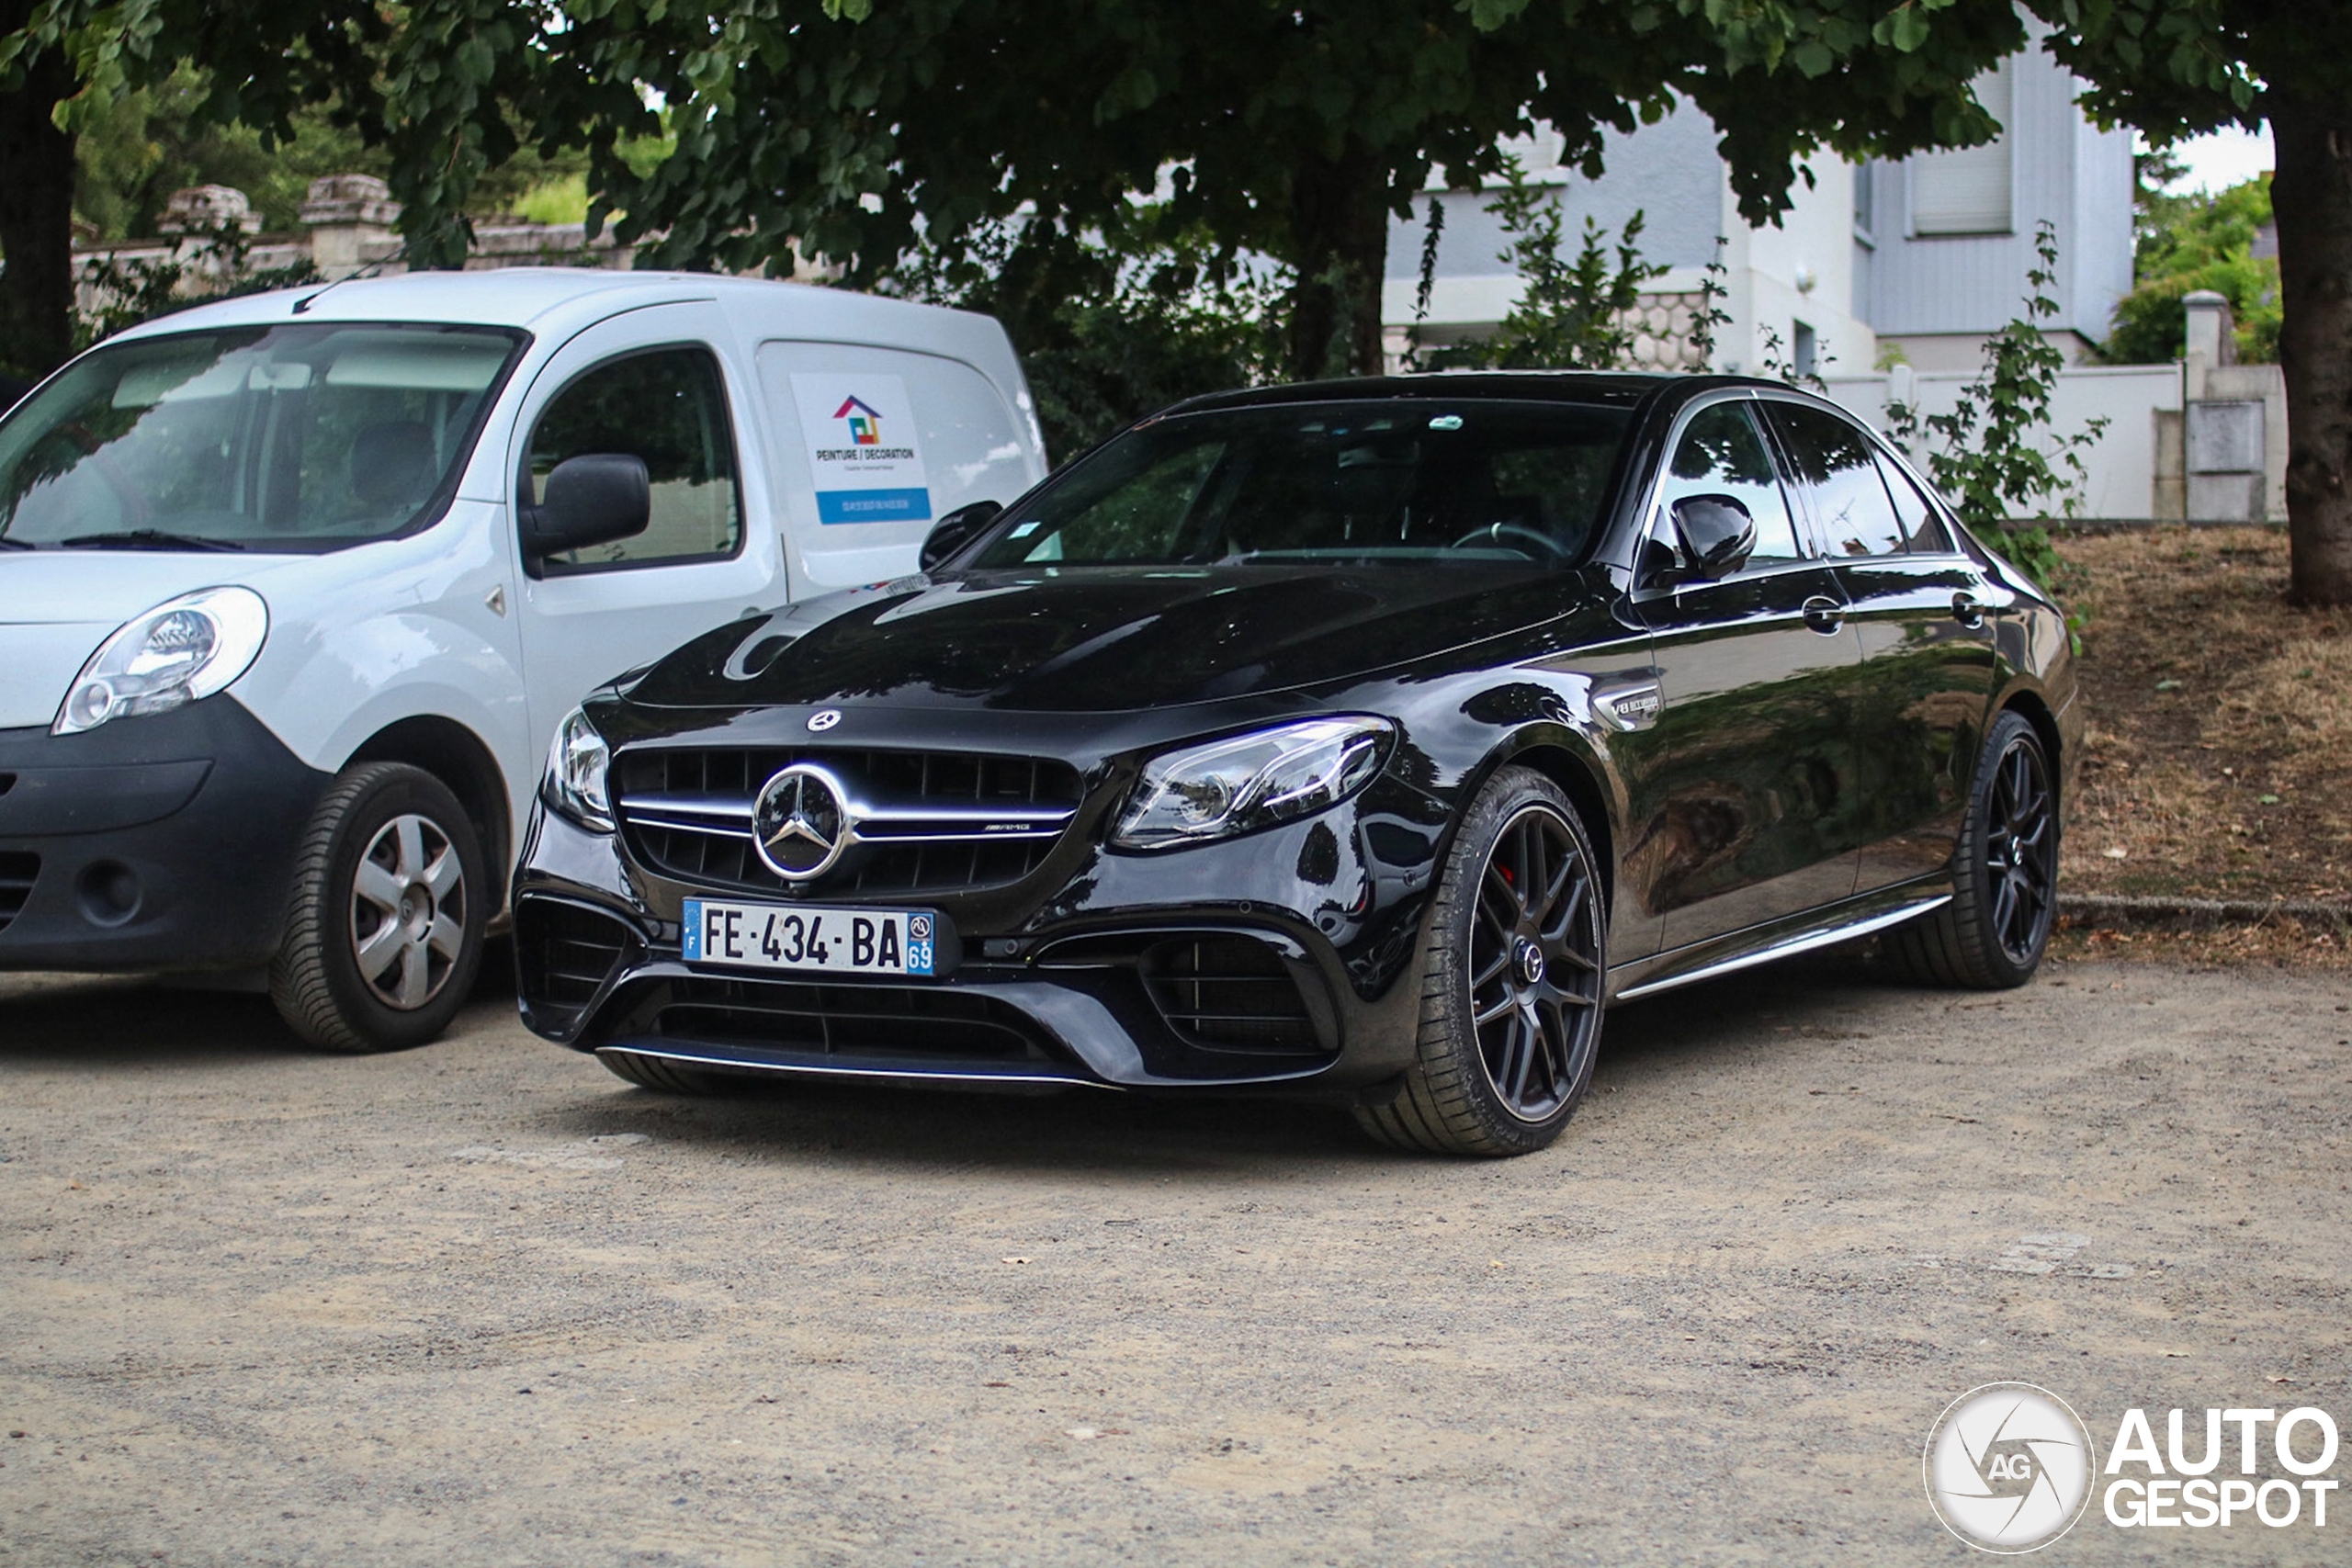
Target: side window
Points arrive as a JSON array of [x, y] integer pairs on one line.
[[1838, 474], [1923, 528], [1723, 453], [668, 407]]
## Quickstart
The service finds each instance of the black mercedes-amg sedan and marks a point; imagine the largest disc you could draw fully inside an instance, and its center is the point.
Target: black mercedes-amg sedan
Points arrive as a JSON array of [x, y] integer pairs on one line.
[[1362, 740]]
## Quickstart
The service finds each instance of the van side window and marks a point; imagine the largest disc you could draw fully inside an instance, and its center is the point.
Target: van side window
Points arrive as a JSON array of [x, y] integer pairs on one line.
[[1838, 477], [668, 407], [1723, 453]]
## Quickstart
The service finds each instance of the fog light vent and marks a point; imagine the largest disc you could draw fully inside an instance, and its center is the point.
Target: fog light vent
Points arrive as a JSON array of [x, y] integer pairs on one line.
[[1229, 993]]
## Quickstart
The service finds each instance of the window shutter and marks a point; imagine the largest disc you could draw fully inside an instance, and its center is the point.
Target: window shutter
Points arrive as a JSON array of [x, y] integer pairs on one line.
[[1967, 190]]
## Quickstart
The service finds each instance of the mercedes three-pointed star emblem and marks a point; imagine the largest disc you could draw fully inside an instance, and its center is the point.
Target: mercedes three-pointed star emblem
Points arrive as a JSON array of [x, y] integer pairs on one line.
[[801, 822]]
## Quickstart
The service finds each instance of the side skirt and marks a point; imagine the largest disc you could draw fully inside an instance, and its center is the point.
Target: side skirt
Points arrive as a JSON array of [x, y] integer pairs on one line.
[[1744, 950]]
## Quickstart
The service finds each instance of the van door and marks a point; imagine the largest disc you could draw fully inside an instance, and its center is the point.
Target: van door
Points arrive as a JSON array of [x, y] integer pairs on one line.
[[657, 384], [875, 445]]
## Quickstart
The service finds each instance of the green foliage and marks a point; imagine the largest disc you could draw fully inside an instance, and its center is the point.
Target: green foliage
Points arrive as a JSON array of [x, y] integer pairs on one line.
[[2194, 242], [1110, 326], [1571, 314], [136, 148], [1993, 454]]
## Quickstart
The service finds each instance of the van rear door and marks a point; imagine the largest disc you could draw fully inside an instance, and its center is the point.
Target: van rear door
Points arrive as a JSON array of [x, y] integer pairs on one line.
[[875, 445]]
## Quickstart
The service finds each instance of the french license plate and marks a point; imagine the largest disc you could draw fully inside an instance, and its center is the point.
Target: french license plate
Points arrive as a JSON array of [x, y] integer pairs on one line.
[[803, 937]]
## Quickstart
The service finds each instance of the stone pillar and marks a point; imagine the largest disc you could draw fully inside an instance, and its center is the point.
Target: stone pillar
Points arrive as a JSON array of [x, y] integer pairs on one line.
[[350, 218], [206, 222], [2212, 340]]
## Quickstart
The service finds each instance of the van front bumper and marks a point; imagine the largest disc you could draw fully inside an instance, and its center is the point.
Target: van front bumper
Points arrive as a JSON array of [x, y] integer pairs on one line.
[[161, 842]]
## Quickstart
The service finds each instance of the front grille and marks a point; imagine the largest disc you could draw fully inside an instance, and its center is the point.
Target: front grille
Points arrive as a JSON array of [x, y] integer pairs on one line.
[[868, 1023], [929, 822], [19, 870], [566, 952], [1229, 993]]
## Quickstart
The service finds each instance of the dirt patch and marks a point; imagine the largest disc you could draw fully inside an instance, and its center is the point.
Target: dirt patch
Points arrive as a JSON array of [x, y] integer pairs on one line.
[[2217, 764]]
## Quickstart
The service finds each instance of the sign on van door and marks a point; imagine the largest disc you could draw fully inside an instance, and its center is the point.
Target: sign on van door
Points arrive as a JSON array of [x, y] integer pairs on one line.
[[872, 445], [864, 453]]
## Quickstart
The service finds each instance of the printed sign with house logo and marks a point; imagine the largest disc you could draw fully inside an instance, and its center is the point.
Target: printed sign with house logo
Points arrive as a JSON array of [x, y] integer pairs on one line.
[[860, 436]]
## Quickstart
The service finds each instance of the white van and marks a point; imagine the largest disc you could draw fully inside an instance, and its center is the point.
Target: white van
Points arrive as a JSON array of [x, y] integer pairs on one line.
[[295, 589]]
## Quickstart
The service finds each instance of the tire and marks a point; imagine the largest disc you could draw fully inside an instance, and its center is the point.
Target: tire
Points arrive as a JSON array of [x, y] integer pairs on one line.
[[2004, 874], [653, 1073], [383, 941], [1506, 1045]]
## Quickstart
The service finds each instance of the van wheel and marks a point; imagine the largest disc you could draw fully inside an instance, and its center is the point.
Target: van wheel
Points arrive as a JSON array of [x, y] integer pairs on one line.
[[384, 936]]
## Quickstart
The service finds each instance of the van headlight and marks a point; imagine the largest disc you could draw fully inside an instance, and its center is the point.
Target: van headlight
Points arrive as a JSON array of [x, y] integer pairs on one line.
[[577, 765], [185, 648], [1251, 781]]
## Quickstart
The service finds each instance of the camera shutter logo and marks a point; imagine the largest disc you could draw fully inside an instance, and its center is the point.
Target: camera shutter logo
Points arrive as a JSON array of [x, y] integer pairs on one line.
[[2008, 1467]]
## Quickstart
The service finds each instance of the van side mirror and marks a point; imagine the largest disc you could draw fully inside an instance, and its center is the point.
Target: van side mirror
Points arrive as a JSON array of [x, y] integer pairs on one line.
[[955, 530], [1716, 533], [593, 499]]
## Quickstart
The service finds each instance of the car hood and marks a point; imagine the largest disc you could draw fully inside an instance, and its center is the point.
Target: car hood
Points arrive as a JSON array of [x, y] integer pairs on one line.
[[1103, 638]]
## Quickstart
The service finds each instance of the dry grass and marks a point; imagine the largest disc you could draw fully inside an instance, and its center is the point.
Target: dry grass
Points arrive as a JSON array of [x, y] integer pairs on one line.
[[2219, 721]]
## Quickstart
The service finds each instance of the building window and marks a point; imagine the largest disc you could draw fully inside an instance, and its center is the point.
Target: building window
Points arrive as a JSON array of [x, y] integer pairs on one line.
[[1804, 351], [1967, 190], [1866, 201]]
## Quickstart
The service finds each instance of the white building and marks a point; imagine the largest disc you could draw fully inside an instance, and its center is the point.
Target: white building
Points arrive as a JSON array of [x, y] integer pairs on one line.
[[1926, 256]]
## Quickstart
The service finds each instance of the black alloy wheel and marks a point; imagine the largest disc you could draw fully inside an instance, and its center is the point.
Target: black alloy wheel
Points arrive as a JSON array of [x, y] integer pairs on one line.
[[1511, 1014], [2021, 852], [2004, 905]]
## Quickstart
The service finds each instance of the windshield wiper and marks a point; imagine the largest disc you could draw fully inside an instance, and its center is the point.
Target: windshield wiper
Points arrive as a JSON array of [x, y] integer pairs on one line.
[[8, 544], [146, 539]]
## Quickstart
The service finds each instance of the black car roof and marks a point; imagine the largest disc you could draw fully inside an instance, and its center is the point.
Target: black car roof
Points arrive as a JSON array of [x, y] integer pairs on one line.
[[1606, 388]]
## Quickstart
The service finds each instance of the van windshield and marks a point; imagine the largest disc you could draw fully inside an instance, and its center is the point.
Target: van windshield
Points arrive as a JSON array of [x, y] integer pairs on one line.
[[1406, 481], [283, 438]]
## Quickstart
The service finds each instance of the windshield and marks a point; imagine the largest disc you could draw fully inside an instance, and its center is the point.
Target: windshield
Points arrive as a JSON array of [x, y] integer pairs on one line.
[[1398, 482], [271, 438]]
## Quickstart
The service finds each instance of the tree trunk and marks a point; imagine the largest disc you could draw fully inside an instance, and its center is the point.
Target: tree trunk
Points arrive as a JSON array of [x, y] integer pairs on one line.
[[36, 214], [2311, 195], [1339, 246]]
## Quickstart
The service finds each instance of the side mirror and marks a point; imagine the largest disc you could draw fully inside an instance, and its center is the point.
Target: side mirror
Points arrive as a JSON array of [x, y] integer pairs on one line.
[[1716, 532], [589, 500], [955, 530]]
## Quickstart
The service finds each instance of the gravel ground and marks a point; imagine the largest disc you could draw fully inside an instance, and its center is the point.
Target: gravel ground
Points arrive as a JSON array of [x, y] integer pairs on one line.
[[482, 1303]]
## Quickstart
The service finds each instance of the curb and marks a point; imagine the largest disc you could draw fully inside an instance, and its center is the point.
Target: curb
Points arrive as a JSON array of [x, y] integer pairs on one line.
[[2119, 909]]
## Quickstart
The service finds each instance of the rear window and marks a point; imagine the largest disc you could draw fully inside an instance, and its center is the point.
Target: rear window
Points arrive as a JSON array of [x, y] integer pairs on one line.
[[297, 438], [1406, 483]]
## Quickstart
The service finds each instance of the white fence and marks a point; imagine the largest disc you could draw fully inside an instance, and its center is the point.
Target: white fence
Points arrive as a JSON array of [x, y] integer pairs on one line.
[[2132, 457]]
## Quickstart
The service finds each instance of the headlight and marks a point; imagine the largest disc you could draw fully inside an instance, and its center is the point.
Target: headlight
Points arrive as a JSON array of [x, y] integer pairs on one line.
[[576, 768], [188, 647], [1251, 781]]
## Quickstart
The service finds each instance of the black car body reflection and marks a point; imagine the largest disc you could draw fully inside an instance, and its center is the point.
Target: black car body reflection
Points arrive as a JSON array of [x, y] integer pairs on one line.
[[1484, 576]]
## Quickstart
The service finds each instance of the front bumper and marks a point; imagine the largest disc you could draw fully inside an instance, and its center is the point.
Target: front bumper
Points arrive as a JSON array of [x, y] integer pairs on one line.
[[1284, 960], [158, 842]]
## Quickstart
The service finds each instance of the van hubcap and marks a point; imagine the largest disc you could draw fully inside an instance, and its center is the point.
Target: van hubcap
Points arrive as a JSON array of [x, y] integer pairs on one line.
[[408, 912]]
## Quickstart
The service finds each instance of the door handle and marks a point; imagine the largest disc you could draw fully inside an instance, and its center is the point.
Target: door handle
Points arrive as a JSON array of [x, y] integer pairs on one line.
[[1825, 614], [1967, 609]]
